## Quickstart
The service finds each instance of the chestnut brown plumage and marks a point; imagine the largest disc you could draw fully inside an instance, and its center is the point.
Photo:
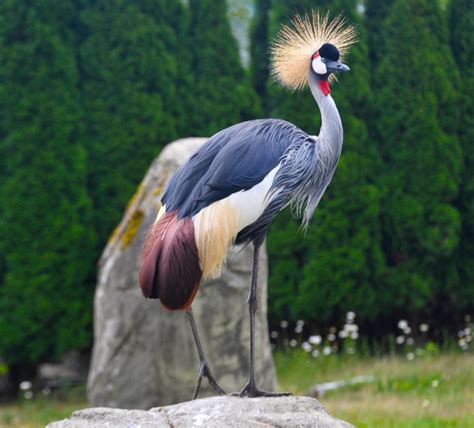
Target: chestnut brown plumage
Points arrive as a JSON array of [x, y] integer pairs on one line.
[[170, 267]]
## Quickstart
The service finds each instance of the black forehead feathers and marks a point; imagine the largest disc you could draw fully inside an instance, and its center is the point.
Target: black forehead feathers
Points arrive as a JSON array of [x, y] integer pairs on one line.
[[329, 52]]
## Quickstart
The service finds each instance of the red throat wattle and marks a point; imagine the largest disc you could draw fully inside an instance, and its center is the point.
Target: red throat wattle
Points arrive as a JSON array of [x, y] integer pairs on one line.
[[324, 86]]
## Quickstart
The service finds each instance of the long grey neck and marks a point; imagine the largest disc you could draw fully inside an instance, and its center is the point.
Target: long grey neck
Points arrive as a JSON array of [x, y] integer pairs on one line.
[[331, 133]]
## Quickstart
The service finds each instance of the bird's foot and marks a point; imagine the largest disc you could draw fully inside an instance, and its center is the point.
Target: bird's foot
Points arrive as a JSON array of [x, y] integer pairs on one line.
[[204, 371], [251, 391]]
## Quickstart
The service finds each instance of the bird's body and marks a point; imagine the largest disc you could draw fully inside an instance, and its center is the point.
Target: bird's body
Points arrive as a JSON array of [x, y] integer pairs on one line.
[[231, 189]]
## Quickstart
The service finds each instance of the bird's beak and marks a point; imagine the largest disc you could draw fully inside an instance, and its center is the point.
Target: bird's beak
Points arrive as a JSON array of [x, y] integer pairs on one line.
[[336, 67]]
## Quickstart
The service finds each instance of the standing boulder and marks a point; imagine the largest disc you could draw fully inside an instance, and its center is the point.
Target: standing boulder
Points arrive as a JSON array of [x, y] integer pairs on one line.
[[144, 355]]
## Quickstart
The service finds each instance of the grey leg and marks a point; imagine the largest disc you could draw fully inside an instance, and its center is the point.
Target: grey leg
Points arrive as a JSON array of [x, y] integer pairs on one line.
[[251, 390], [203, 366]]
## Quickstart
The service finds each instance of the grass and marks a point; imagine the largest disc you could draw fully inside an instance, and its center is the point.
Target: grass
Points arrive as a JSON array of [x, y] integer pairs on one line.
[[428, 392], [40, 411]]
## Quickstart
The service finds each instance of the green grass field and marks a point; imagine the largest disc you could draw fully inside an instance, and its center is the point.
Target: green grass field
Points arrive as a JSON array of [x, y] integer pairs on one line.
[[428, 392], [431, 392]]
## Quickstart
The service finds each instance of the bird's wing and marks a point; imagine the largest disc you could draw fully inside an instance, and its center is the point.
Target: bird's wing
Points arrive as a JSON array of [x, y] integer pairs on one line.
[[185, 179], [235, 159]]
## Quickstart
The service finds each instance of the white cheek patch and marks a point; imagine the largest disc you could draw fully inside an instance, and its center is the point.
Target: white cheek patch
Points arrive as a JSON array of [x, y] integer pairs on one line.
[[318, 66]]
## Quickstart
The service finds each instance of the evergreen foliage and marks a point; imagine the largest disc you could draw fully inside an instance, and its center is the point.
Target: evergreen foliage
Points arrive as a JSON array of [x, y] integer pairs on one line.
[[259, 47], [298, 107], [462, 42], [130, 70], [45, 219], [91, 90], [89, 93], [221, 92], [333, 268], [417, 115], [376, 12]]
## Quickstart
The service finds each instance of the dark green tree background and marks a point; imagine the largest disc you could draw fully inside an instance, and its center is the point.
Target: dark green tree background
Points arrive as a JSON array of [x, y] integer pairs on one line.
[[334, 268], [461, 20], [45, 225], [221, 91], [259, 47], [376, 12], [129, 73], [91, 90], [417, 106]]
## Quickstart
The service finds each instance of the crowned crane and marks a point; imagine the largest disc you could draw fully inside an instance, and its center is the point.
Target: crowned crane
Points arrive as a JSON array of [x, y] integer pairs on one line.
[[233, 186]]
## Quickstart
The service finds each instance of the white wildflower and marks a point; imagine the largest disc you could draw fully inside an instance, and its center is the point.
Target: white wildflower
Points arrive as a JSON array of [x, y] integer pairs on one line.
[[424, 327], [25, 385], [402, 324], [315, 340]]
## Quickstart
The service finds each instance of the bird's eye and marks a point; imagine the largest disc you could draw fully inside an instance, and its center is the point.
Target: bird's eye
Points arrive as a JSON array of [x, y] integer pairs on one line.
[[318, 65]]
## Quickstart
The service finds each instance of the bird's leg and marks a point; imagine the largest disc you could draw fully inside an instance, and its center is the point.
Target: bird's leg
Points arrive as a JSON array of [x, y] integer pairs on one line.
[[251, 390], [203, 366]]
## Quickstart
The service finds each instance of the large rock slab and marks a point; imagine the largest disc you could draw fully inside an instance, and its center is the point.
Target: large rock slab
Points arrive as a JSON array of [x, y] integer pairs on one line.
[[215, 412], [143, 355]]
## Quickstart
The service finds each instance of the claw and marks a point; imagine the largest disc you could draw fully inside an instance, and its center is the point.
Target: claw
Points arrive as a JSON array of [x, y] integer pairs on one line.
[[205, 371], [251, 391]]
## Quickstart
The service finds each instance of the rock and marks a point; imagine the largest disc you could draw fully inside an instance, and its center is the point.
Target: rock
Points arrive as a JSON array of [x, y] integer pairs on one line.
[[215, 412], [318, 390], [72, 369], [143, 355]]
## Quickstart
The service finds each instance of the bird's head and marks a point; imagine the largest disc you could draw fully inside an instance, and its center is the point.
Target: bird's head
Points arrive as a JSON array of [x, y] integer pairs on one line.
[[324, 62], [311, 49]]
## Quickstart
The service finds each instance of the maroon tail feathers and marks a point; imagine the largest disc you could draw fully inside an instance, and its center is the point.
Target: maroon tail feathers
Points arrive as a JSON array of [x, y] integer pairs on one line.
[[170, 269]]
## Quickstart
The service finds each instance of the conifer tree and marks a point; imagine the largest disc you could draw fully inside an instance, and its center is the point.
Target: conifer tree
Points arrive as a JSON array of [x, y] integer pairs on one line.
[[297, 108], [462, 44], [130, 60], [45, 217], [333, 269], [376, 12], [287, 255], [417, 113], [221, 92], [259, 47]]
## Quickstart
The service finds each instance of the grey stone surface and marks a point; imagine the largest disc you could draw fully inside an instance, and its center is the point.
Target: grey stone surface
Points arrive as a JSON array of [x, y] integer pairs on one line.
[[215, 412], [143, 355], [72, 369]]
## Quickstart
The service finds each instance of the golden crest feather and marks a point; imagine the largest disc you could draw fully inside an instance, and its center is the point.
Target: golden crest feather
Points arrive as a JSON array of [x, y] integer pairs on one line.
[[296, 43]]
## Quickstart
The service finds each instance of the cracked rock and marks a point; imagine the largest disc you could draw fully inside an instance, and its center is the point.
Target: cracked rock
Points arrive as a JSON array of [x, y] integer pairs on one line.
[[214, 412]]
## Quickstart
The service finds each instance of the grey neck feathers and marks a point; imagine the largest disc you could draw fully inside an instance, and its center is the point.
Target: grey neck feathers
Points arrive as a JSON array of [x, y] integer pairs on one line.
[[331, 133]]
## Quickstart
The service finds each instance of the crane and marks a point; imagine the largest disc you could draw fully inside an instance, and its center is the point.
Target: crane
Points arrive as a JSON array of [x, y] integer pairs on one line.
[[233, 186]]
